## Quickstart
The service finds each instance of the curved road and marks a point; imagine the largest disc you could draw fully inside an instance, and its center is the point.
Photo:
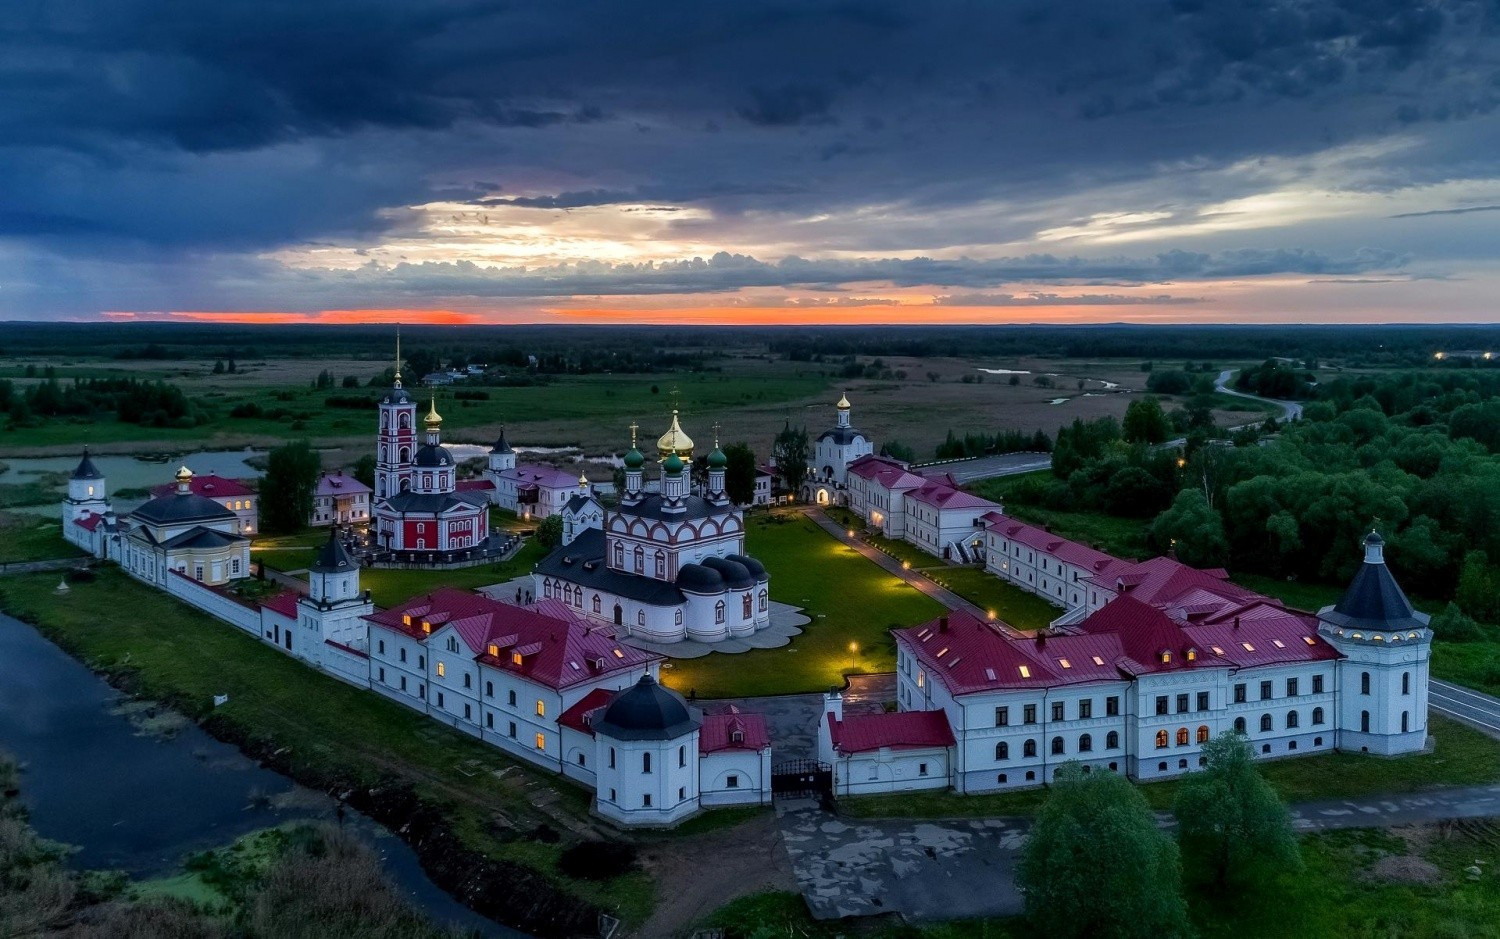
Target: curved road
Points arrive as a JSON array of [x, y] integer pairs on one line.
[[1290, 410]]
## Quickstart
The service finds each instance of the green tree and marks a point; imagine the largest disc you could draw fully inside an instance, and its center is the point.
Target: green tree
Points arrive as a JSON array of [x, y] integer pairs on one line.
[[739, 473], [1453, 625], [218, 366], [286, 489], [364, 470], [550, 532], [897, 450], [1230, 820], [1479, 588], [1097, 865], [1145, 422], [1194, 528], [790, 450]]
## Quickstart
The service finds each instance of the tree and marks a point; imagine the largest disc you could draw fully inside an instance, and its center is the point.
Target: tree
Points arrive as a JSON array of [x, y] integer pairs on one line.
[[1453, 625], [790, 450], [286, 489], [218, 366], [419, 363], [1096, 864], [739, 473], [897, 450], [1194, 528], [364, 470], [1479, 588], [1145, 422], [1229, 819], [550, 532]]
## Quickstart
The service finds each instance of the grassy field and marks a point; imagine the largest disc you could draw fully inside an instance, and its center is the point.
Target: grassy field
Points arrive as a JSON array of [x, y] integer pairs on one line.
[[1019, 608], [1464, 757], [390, 587], [1412, 882], [901, 550], [850, 599], [31, 538], [182, 657]]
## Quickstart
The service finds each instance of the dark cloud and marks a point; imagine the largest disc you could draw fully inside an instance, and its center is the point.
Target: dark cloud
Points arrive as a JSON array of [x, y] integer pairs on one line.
[[1463, 211], [787, 106]]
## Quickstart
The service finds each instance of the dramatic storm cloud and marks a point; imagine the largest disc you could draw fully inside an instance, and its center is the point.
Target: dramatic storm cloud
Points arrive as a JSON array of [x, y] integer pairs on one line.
[[1326, 159]]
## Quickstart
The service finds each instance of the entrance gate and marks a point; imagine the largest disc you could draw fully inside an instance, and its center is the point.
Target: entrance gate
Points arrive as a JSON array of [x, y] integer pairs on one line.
[[801, 778]]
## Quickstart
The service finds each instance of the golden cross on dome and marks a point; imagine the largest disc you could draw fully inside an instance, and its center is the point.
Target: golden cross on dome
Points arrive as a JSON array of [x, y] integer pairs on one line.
[[716, 435], [633, 428], [398, 353]]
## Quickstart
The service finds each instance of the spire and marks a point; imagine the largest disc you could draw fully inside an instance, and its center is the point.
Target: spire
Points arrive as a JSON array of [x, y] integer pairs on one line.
[[583, 481], [398, 355], [1374, 600], [501, 444], [333, 558], [86, 468], [433, 419]]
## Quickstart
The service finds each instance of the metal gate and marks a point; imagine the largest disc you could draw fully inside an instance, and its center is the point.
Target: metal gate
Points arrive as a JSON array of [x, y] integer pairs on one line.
[[801, 778]]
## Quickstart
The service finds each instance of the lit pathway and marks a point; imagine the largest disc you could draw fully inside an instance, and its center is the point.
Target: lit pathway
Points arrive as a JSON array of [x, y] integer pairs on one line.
[[942, 595], [1478, 710]]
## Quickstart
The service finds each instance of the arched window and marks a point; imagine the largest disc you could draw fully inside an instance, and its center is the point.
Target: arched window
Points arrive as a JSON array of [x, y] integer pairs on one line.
[[1364, 722], [1182, 736], [1406, 682], [1405, 721], [1291, 719], [619, 555], [547, 589], [1364, 682], [762, 601], [1265, 723], [1085, 744], [661, 565], [1112, 740], [1239, 725], [596, 603], [1030, 748], [719, 612], [640, 560], [646, 762], [640, 617], [749, 607], [1057, 746], [1203, 733], [1002, 751], [1317, 715], [1161, 740]]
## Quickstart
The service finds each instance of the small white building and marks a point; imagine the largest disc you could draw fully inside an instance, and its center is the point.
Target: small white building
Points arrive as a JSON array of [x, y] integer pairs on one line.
[[901, 751], [340, 500], [531, 492], [832, 452]]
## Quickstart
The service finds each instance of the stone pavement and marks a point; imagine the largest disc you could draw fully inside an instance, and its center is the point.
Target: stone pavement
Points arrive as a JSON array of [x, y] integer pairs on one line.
[[923, 870]]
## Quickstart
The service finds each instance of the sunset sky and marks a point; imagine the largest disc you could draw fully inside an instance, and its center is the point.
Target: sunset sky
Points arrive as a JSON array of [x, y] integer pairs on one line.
[[463, 161]]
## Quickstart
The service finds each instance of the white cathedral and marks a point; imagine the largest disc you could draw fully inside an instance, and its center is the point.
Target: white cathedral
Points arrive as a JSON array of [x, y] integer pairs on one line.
[[663, 566]]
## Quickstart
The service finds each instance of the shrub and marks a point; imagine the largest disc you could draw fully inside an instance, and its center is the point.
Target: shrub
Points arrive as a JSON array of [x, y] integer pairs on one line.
[[598, 860]]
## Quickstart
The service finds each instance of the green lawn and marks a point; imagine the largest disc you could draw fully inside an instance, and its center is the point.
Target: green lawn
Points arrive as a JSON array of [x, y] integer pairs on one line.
[[904, 551], [1464, 757], [32, 538], [182, 657], [390, 587], [1020, 608], [851, 600]]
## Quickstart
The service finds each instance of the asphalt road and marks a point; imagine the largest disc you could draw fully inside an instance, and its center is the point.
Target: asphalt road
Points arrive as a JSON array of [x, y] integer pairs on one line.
[[1464, 704], [1290, 410]]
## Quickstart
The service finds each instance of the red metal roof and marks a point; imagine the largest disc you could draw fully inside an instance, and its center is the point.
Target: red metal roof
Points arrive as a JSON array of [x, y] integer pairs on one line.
[[1150, 640], [898, 730], [943, 495], [284, 603], [580, 716], [338, 484], [88, 520], [887, 472], [733, 729], [1045, 542], [210, 486], [555, 652], [473, 485]]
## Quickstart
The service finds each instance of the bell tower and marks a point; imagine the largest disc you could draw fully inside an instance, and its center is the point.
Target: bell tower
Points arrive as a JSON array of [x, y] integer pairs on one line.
[[396, 440]]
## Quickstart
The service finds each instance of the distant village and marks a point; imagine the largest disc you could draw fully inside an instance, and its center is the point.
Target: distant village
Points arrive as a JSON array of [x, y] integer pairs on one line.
[[1145, 662]]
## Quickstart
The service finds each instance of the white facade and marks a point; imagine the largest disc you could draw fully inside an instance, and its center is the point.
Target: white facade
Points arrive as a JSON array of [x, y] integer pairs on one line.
[[832, 452]]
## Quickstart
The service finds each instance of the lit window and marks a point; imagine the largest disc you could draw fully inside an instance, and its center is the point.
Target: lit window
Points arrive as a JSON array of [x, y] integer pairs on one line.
[[1064, 663], [541, 742], [619, 654], [1098, 661], [442, 670], [1025, 672], [1166, 657], [1309, 640], [426, 627], [1277, 643], [541, 708], [1218, 651], [1248, 647], [515, 658], [1192, 655], [406, 620], [494, 650]]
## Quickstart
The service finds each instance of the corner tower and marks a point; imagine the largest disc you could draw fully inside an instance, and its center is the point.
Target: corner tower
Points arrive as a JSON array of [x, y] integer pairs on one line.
[[86, 491], [1382, 678]]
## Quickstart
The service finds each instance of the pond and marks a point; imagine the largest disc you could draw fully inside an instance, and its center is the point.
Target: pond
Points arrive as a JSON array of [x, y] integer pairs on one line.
[[130, 472], [140, 803]]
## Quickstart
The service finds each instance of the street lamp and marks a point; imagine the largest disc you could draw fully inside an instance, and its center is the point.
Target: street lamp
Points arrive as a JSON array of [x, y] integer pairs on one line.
[[906, 565], [853, 654]]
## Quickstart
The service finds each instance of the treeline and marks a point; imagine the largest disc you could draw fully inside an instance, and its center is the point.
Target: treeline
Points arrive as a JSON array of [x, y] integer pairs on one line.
[[148, 403], [1006, 441]]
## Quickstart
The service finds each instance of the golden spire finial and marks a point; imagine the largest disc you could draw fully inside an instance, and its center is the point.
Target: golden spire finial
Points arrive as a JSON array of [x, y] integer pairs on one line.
[[843, 402], [398, 355], [433, 417], [583, 480]]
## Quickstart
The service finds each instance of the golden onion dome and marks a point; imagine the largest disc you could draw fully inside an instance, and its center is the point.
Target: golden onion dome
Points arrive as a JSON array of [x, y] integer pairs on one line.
[[675, 441], [433, 418], [184, 474], [843, 404]]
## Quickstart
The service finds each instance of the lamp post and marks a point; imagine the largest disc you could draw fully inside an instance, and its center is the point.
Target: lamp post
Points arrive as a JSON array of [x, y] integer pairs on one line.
[[853, 654]]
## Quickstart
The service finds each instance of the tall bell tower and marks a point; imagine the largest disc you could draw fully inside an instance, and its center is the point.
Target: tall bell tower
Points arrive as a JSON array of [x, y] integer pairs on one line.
[[396, 441]]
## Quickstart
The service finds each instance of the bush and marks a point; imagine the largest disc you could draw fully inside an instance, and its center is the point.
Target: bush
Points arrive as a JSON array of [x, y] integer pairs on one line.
[[597, 860], [1453, 625], [81, 575]]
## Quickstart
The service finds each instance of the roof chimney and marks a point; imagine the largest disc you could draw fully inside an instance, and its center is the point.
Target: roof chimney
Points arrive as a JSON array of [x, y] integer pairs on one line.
[[1236, 622], [942, 624], [1041, 639]]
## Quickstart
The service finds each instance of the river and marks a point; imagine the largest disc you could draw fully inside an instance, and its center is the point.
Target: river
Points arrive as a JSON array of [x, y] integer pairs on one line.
[[140, 803]]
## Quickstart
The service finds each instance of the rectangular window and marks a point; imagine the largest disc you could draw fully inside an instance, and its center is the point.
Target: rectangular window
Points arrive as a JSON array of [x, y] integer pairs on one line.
[[921, 769], [1291, 687], [1161, 704], [1265, 691], [1085, 709], [541, 708], [468, 713], [1182, 704], [541, 742], [646, 800], [1112, 706], [489, 721], [440, 699], [511, 698], [442, 669], [382, 674], [1028, 714], [1002, 717], [1239, 694], [1057, 710], [1203, 700], [512, 730], [1317, 684], [733, 782]]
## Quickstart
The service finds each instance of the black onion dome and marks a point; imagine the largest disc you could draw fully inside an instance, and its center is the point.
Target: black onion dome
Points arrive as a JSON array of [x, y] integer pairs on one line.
[[756, 569], [736, 575], [396, 396], [430, 455], [695, 578], [646, 711]]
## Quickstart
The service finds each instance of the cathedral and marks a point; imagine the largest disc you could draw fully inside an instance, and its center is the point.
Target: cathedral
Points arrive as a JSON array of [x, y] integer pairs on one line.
[[663, 565], [419, 510]]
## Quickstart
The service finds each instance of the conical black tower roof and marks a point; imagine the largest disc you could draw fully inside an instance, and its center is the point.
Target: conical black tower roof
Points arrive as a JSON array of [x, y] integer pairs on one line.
[[86, 468], [333, 559], [501, 446], [1374, 600]]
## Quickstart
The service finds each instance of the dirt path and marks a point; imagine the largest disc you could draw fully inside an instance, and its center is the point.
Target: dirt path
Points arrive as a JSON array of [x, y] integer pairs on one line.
[[699, 874]]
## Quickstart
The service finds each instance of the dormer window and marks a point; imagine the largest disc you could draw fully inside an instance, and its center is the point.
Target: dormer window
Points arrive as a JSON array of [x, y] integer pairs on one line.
[[1192, 655], [515, 658], [494, 651], [406, 620], [737, 736], [1166, 657], [1064, 663], [426, 627]]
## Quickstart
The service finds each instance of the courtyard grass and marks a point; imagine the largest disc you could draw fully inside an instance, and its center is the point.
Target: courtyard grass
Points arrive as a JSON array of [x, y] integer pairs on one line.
[[1463, 757], [850, 600], [172, 653], [903, 551], [1020, 608], [390, 587], [32, 538]]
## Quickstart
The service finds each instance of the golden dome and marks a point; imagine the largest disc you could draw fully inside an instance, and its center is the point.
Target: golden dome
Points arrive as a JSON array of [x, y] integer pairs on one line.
[[433, 417], [843, 404], [183, 473], [675, 441]]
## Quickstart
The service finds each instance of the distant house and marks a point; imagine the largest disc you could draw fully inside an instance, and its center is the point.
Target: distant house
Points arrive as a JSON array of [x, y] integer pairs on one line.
[[763, 479], [434, 379], [340, 500], [232, 494]]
